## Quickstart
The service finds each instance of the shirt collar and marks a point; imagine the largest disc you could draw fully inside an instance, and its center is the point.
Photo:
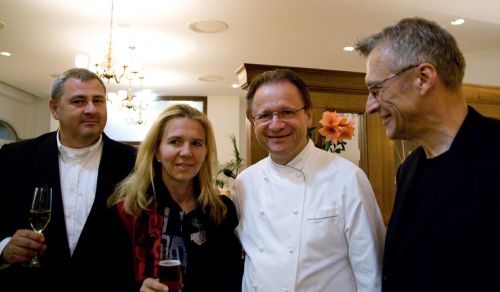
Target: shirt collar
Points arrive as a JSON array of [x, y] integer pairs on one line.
[[68, 153], [298, 161]]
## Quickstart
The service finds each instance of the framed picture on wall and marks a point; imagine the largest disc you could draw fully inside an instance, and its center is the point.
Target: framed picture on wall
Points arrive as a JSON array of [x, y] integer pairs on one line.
[[130, 124]]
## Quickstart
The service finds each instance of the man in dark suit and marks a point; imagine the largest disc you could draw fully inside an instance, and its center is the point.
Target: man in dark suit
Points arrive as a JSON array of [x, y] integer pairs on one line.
[[444, 231], [83, 247]]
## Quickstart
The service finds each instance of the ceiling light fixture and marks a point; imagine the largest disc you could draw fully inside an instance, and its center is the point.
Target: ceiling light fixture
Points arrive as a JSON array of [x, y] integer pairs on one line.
[[5, 54], [349, 49], [210, 78], [208, 26], [134, 103], [106, 70], [458, 21]]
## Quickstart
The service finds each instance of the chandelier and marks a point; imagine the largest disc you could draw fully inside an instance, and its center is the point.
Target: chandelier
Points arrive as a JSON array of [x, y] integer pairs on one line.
[[105, 68], [131, 104], [128, 104]]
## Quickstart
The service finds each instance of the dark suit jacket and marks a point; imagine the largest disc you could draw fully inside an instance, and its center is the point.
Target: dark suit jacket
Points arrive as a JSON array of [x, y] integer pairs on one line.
[[102, 256], [454, 244]]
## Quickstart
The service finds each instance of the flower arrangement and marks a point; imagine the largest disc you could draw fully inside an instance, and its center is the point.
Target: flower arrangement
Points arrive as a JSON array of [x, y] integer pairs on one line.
[[336, 129]]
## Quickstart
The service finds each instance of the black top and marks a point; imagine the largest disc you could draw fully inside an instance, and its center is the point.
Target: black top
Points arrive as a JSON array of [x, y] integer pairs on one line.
[[211, 255], [444, 231]]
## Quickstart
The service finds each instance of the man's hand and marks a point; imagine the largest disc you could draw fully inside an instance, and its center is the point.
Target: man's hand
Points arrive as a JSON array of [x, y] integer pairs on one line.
[[23, 246]]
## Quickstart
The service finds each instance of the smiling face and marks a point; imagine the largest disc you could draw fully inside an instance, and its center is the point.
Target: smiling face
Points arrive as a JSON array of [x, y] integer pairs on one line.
[[282, 138], [396, 100], [81, 112], [182, 150]]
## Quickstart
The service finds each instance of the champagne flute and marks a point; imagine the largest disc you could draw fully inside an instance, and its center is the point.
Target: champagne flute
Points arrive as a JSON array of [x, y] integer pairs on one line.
[[39, 216]]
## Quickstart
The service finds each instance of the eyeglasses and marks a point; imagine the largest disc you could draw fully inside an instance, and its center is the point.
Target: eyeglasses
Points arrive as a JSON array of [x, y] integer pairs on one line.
[[284, 114], [374, 89]]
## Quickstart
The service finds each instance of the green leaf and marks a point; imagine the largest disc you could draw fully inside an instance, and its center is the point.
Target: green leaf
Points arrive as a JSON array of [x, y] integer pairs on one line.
[[310, 132], [327, 145]]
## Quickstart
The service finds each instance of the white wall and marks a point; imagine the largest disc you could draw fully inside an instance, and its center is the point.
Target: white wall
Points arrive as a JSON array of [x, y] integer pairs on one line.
[[483, 67], [224, 112], [27, 114]]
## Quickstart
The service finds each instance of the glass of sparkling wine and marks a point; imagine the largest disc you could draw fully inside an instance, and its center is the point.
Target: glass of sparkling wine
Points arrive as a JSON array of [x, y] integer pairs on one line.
[[40, 215], [170, 271]]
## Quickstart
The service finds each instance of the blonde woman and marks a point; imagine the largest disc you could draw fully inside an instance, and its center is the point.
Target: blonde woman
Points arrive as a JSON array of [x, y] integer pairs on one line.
[[170, 202]]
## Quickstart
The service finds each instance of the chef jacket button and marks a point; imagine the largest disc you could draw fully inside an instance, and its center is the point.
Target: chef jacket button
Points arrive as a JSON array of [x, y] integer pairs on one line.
[[284, 289], [295, 211], [261, 212], [261, 248], [290, 250], [255, 286], [298, 174]]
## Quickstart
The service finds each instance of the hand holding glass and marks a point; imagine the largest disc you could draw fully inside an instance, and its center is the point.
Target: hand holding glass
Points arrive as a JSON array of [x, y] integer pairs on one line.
[[40, 215], [170, 271]]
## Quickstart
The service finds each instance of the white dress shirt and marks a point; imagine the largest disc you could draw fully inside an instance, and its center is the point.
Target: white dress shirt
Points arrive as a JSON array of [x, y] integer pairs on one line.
[[78, 169], [310, 225]]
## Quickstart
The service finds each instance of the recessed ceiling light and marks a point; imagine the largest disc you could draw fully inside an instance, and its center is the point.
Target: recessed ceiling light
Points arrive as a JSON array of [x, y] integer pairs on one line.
[[124, 25], [208, 26], [234, 85], [348, 49], [210, 78], [6, 54], [458, 21]]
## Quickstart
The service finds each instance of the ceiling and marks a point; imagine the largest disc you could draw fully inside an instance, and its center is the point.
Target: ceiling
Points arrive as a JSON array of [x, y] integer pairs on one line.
[[45, 35]]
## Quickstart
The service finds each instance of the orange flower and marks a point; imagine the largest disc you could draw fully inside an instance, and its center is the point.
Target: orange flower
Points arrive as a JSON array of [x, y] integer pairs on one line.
[[335, 128]]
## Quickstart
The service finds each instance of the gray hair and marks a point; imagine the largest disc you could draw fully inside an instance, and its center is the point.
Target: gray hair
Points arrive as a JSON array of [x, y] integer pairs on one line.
[[77, 73], [416, 40]]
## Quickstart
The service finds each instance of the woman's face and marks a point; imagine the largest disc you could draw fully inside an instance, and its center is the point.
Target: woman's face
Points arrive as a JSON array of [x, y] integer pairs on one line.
[[182, 150]]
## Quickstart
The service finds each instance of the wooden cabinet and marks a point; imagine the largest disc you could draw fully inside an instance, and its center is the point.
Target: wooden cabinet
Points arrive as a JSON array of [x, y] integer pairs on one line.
[[346, 92]]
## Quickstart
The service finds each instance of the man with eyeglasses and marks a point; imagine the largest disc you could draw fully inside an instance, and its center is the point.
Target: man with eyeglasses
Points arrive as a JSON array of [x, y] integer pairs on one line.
[[444, 230], [309, 220]]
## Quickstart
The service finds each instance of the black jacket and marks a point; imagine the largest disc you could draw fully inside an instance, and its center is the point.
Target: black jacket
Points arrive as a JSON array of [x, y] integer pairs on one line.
[[101, 259], [453, 242], [214, 259]]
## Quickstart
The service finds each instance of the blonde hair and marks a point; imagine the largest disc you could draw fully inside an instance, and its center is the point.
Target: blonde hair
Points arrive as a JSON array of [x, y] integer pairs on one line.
[[132, 190]]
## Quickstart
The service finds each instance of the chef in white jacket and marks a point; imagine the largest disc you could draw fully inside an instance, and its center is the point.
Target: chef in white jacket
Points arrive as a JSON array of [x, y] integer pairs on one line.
[[309, 220]]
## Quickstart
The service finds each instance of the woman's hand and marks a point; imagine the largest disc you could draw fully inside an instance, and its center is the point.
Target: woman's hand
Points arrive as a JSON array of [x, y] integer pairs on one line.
[[151, 284]]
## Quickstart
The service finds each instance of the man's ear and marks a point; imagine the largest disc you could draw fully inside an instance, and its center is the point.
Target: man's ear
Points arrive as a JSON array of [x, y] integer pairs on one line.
[[426, 77], [53, 109], [309, 113]]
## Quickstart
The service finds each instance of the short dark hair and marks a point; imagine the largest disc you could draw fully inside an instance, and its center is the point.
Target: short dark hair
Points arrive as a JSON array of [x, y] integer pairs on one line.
[[77, 73], [277, 76], [416, 40]]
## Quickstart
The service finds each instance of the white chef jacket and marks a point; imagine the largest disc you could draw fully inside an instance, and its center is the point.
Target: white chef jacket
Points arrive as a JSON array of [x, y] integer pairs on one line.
[[310, 225]]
